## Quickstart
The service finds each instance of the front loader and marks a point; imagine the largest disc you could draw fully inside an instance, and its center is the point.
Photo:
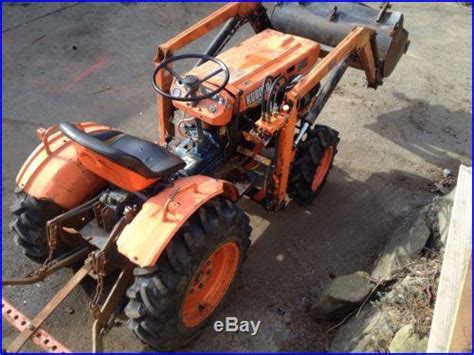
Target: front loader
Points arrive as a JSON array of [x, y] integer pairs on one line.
[[152, 229]]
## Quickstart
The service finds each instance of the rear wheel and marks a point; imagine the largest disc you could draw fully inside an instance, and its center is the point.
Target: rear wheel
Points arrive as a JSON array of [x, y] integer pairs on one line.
[[29, 224], [30, 216], [312, 164], [172, 302]]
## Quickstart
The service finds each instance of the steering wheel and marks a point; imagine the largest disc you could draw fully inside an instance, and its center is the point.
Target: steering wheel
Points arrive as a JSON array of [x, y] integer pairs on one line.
[[191, 82]]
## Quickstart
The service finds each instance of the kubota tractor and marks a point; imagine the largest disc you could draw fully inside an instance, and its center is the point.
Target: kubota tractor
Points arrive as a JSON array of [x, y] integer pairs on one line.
[[154, 227]]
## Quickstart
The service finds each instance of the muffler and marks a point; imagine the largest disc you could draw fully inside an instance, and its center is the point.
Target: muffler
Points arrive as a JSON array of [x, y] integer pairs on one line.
[[330, 22]]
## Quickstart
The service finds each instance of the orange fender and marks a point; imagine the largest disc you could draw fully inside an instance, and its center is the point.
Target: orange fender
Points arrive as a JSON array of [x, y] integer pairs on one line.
[[146, 237], [53, 171]]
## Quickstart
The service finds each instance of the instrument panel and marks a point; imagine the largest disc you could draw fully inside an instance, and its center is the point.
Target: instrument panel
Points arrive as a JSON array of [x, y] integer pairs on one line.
[[216, 110]]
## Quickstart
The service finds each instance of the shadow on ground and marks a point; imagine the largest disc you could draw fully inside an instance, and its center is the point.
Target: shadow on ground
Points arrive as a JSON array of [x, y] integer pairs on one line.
[[427, 130], [294, 252]]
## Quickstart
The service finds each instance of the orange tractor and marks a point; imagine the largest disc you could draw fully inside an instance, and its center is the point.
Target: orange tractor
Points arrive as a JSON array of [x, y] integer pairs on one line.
[[152, 229]]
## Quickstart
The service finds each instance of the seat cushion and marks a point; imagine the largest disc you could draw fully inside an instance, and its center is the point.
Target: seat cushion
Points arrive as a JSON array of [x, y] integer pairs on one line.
[[138, 155], [154, 160]]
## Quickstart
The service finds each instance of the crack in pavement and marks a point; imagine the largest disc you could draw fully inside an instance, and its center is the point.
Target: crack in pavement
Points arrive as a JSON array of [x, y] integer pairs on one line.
[[40, 17]]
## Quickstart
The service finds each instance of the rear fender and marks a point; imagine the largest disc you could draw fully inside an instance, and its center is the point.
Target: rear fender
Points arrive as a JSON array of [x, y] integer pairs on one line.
[[53, 171], [146, 237]]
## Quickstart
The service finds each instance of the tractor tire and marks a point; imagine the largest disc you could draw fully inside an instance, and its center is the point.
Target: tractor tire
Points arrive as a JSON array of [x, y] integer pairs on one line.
[[29, 224], [312, 163], [171, 302]]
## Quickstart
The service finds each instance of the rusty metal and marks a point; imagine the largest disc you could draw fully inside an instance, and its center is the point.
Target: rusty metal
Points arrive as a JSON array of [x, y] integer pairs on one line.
[[43, 272], [54, 227], [96, 262], [98, 258], [98, 266], [41, 337], [257, 157], [41, 317], [105, 317]]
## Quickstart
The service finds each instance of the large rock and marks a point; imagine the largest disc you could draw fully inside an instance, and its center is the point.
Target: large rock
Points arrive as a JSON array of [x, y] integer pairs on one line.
[[342, 295], [439, 216], [407, 341], [403, 247], [444, 216], [374, 327], [367, 331]]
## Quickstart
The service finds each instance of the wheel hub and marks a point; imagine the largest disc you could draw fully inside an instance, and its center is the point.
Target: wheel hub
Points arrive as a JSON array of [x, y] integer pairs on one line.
[[210, 284]]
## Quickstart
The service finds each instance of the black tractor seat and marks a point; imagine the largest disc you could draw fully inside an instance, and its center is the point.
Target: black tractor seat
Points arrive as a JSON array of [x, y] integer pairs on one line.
[[143, 157]]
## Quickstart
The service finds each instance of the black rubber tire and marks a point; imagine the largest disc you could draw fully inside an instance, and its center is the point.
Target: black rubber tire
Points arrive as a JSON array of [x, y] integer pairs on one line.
[[29, 224], [158, 292], [309, 154]]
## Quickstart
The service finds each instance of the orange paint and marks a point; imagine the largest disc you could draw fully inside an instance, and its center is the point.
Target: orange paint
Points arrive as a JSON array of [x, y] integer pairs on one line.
[[368, 63], [285, 155], [59, 176], [206, 25], [355, 41], [323, 168], [146, 237], [112, 172], [209, 284], [272, 125], [164, 108], [267, 53], [201, 28]]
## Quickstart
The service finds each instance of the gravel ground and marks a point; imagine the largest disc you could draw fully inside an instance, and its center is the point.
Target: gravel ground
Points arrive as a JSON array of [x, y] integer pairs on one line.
[[77, 62]]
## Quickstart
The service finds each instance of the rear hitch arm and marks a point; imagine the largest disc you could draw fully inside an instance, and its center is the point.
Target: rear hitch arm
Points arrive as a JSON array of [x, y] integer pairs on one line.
[[103, 316], [44, 271]]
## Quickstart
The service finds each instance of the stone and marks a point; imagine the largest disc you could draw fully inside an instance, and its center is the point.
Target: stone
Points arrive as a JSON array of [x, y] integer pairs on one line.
[[403, 247], [360, 333], [447, 172], [444, 216], [407, 341], [342, 295]]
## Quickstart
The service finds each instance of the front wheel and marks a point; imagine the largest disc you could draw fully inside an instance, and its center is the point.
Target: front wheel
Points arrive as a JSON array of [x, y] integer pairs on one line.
[[312, 164], [172, 302]]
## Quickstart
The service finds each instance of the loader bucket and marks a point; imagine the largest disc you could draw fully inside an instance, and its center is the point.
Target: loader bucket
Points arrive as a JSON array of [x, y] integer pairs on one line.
[[330, 22]]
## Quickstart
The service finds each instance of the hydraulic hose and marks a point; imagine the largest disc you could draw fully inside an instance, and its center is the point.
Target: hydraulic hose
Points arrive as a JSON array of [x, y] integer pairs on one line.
[[264, 102]]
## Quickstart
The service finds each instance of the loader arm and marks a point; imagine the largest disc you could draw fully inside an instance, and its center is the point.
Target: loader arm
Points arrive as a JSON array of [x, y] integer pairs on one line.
[[207, 24], [358, 43]]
